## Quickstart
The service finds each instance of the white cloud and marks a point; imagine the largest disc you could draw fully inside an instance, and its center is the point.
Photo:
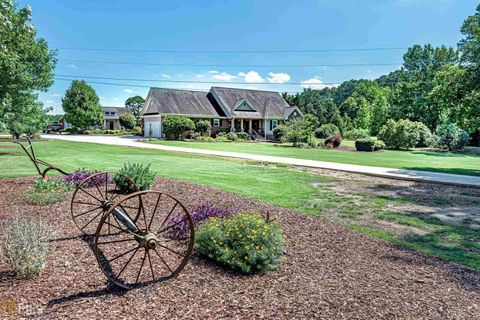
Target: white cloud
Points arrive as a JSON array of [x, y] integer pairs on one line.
[[278, 77], [164, 75], [72, 66], [55, 95], [224, 76], [49, 102], [251, 76], [200, 76], [213, 72], [128, 91], [314, 83]]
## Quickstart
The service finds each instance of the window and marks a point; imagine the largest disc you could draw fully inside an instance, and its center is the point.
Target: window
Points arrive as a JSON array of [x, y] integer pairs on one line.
[[273, 124], [216, 122]]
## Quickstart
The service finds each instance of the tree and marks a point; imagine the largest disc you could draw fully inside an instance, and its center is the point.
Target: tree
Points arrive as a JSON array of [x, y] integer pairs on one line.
[[82, 105], [25, 115], [295, 132], [469, 46], [203, 126], [310, 123], [128, 121], [401, 134], [26, 63], [451, 136], [135, 105], [175, 126]]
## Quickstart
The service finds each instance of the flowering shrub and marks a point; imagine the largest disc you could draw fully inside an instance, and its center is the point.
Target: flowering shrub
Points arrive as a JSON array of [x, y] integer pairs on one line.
[[199, 215], [77, 177], [333, 141], [243, 242]]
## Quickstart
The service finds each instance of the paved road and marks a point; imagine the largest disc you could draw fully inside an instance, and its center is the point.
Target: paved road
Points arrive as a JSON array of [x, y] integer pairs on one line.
[[452, 179]]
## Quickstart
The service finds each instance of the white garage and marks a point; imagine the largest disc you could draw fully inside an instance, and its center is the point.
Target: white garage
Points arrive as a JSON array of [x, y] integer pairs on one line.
[[152, 124]]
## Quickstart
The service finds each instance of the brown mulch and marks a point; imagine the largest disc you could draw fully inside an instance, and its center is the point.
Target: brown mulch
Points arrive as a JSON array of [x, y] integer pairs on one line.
[[330, 272]]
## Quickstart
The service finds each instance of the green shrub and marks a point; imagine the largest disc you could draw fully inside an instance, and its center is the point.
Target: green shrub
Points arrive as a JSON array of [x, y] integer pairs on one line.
[[356, 134], [242, 135], [232, 136], [426, 138], [279, 132], [26, 246], [244, 242], [327, 130], [401, 134], [175, 127], [379, 145], [139, 173], [47, 191], [221, 134], [204, 127], [137, 131], [365, 145], [128, 121], [451, 137]]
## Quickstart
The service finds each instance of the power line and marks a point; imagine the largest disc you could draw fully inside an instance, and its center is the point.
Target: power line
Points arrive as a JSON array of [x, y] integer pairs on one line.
[[236, 51], [231, 65], [138, 85], [193, 81]]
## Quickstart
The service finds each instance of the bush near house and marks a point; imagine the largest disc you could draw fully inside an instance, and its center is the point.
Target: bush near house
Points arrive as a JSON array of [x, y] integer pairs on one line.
[[401, 134], [203, 127], [232, 136], [326, 131], [242, 135], [128, 121], [175, 127], [279, 132], [451, 137], [244, 242]]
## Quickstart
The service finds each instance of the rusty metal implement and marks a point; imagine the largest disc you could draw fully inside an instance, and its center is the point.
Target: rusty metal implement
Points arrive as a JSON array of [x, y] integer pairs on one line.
[[30, 151], [138, 238]]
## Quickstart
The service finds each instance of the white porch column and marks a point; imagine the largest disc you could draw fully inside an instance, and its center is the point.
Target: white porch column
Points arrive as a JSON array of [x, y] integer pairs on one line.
[[250, 130], [241, 125]]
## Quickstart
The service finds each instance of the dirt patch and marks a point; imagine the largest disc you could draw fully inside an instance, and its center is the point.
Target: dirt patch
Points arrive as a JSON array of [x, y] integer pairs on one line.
[[328, 272]]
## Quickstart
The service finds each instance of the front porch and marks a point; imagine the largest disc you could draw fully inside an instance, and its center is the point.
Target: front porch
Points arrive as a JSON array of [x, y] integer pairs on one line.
[[251, 126]]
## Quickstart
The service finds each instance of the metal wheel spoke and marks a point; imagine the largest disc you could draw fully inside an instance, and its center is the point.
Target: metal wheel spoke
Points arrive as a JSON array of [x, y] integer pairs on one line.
[[176, 252], [151, 267], [91, 220], [154, 211], [99, 191], [106, 184], [121, 255], [164, 262], [115, 241], [166, 218], [141, 267], [173, 225], [91, 195], [83, 213], [126, 264]]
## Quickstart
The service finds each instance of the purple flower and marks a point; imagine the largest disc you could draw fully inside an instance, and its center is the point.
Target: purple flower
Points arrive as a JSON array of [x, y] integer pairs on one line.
[[199, 215], [78, 176]]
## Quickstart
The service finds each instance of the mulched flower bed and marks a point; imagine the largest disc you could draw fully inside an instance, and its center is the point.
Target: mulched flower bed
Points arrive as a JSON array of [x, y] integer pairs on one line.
[[329, 272]]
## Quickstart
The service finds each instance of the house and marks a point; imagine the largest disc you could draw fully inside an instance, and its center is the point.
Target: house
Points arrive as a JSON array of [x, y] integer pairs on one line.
[[256, 112], [112, 117]]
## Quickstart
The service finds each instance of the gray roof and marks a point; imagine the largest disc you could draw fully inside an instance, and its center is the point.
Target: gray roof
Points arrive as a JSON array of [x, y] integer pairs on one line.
[[269, 104], [218, 102], [119, 111], [181, 102]]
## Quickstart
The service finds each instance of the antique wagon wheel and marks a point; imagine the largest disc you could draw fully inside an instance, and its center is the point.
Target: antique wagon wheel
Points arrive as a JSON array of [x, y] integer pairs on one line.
[[152, 248], [93, 197]]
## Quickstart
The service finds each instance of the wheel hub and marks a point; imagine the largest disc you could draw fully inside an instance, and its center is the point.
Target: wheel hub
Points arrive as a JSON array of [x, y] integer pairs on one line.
[[149, 241]]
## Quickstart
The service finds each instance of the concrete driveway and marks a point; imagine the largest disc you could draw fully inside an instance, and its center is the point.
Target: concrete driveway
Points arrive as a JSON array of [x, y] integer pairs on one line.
[[131, 141]]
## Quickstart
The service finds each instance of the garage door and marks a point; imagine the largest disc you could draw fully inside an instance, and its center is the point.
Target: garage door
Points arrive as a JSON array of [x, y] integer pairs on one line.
[[154, 125]]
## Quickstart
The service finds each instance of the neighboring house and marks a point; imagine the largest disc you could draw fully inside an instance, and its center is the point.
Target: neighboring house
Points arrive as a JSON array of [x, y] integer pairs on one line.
[[112, 117], [256, 112]]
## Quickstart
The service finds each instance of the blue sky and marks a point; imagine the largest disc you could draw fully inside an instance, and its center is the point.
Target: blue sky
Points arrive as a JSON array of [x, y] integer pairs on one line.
[[236, 26]]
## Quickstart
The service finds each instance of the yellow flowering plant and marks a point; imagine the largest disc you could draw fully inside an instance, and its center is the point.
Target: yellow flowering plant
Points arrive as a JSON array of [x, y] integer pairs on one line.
[[244, 242]]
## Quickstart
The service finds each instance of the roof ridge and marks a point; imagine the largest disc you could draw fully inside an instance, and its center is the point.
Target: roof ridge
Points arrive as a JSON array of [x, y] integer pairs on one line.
[[245, 89], [175, 89]]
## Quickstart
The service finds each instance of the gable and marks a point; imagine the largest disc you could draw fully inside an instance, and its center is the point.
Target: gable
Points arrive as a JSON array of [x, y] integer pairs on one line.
[[243, 105]]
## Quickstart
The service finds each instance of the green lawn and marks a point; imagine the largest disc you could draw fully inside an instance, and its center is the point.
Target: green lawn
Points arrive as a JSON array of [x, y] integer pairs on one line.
[[447, 162], [317, 195]]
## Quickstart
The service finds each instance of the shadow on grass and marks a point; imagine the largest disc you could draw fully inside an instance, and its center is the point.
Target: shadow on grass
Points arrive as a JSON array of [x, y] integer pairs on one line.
[[446, 154], [460, 171]]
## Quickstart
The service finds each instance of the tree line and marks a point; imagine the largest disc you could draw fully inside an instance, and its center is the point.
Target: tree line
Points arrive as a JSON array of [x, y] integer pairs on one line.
[[435, 85]]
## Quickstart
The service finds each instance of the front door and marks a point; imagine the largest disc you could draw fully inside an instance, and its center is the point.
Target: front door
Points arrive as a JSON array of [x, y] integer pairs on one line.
[[111, 125]]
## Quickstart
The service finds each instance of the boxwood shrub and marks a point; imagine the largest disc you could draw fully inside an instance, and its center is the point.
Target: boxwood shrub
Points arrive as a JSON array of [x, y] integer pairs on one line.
[[244, 242], [327, 130], [365, 145]]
